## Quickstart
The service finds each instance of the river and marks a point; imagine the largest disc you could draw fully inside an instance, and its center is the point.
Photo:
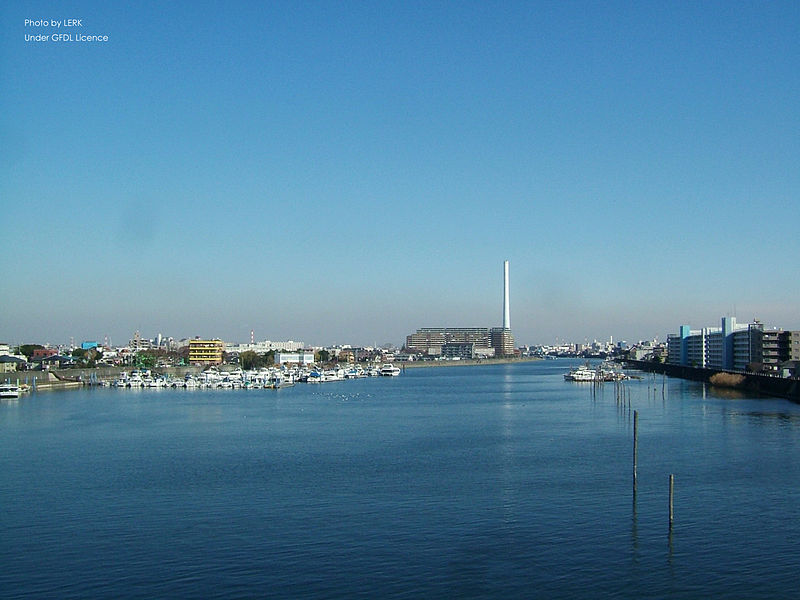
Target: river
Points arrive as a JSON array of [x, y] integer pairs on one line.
[[496, 481]]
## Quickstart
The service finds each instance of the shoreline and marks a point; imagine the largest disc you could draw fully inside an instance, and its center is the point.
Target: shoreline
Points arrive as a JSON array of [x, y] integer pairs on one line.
[[779, 387], [66, 379]]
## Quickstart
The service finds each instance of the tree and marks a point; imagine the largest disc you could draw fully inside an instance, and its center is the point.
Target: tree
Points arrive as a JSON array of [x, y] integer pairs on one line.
[[323, 356], [145, 360], [249, 360], [27, 349], [269, 358]]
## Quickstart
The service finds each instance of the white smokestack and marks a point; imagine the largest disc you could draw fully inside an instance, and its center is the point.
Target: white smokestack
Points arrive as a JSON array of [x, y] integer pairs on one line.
[[506, 309]]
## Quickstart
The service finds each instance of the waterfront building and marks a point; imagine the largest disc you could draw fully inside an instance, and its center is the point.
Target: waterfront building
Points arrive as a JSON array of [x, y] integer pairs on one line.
[[733, 346], [304, 358], [429, 340], [774, 347], [266, 346], [206, 352], [502, 341], [458, 350]]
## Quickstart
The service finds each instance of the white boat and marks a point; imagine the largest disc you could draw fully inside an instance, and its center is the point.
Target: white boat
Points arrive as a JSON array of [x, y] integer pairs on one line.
[[280, 380], [9, 390], [122, 380], [581, 374], [389, 370], [605, 372]]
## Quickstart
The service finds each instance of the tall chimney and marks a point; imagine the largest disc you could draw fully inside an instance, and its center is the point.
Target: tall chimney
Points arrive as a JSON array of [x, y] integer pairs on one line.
[[506, 309]]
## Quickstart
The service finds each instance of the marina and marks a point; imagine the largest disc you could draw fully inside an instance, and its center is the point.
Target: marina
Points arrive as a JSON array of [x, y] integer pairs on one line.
[[265, 378]]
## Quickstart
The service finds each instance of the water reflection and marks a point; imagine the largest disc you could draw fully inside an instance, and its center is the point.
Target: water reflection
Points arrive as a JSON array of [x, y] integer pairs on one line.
[[782, 417], [727, 393]]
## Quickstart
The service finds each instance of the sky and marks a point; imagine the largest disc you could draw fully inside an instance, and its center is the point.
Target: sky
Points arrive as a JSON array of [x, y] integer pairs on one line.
[[348, 172]]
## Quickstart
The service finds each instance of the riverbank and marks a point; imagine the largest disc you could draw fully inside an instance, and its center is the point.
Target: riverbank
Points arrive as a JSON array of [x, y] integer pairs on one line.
[[41, 381], [781, 387], [64, 379]]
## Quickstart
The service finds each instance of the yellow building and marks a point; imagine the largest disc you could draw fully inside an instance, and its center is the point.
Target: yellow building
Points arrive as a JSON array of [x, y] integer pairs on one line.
[[206, 352]]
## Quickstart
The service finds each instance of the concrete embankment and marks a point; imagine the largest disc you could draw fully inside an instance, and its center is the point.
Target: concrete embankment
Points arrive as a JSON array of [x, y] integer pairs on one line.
[[109, 374], [41, 381], [782, 387], [65, 379]]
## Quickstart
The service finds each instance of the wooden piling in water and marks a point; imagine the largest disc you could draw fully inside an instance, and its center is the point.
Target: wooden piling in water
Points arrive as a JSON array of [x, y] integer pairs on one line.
[[635, 450], [671, 496]]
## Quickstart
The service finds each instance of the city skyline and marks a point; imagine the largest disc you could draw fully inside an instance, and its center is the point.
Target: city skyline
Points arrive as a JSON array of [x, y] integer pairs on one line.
[[344, 173]]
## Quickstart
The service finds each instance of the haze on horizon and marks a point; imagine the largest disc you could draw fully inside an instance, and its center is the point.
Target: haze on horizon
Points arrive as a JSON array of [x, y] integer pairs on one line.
[[345, 173]]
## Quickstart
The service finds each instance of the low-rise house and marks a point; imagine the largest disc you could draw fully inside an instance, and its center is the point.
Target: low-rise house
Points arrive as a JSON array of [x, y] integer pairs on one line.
[[58, 361], [9, 364]]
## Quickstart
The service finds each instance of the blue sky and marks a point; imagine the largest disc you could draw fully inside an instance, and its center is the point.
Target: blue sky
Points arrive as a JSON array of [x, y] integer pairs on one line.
[[346, 172]]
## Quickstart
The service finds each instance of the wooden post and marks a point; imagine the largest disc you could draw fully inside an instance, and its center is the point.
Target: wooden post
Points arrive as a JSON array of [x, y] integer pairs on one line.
[[635, 448], [671, 495]]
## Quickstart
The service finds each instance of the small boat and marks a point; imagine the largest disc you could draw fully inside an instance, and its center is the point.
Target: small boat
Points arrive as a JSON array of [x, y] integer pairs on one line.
[[389, 370], [9, 390]]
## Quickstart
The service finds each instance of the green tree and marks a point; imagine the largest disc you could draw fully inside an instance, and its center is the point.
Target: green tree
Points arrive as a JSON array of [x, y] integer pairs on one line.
[[27, 349], [322, 356], [145, 360]]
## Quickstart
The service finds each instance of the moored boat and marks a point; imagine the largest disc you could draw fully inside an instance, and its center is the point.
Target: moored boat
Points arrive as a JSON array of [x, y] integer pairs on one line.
[[9, 390], [584, 373], [389, 370]]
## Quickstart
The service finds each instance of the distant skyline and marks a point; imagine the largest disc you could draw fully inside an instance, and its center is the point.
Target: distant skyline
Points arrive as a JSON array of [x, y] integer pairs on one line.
[[340, 172]]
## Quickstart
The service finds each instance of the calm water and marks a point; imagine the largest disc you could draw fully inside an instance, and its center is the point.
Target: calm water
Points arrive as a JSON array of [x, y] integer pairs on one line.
[[471, 482]]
